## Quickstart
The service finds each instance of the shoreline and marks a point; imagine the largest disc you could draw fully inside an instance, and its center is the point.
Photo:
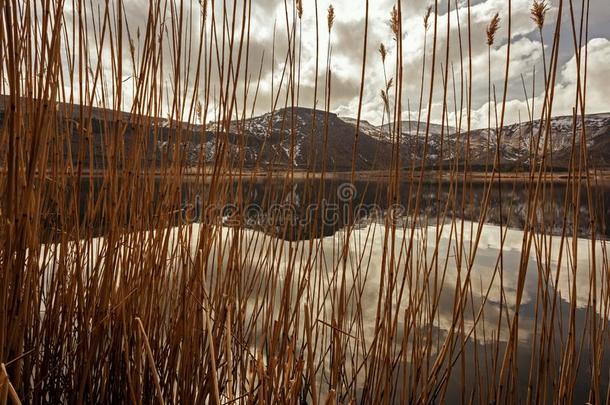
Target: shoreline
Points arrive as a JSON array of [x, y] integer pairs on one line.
[[597, 178]]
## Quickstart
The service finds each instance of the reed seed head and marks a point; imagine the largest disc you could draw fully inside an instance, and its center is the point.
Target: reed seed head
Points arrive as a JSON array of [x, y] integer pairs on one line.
[[384, 98], [300, 8], [427, 18], [395, 22], [492, 28], [538, 10], [204, 9], [382, 51], [330, 17]]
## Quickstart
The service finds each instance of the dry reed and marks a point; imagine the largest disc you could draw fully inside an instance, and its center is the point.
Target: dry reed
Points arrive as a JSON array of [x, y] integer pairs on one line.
[[109, 295]]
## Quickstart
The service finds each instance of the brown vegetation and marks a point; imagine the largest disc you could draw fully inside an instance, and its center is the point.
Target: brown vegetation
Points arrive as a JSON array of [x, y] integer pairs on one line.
[[165, 311]]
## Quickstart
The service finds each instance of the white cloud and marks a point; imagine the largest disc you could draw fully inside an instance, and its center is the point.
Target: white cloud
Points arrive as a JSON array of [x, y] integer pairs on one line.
[[347, 39], [597, 100], [565, 88]]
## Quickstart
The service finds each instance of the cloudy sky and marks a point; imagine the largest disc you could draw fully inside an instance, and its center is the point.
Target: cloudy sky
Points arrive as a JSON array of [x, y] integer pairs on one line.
[[526, 53], [268, 19]]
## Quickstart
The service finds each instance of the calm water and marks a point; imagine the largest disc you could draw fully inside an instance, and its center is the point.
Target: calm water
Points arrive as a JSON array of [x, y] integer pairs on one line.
[[366, 251], [304, 210], [275, 210]]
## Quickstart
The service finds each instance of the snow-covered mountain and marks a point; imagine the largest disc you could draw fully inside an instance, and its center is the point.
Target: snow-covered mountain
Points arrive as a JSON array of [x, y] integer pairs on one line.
[[519, 143], [306, 139], [443, 145]]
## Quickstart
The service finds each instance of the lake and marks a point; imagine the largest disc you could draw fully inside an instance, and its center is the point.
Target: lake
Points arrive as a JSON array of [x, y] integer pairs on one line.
[[414, 294]]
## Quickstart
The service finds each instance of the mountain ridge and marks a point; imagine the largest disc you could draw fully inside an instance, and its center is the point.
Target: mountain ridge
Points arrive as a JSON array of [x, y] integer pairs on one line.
[[304, 138]]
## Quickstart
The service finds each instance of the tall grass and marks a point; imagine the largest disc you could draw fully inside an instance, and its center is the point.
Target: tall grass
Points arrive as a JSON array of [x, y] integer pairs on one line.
[[109, 296]]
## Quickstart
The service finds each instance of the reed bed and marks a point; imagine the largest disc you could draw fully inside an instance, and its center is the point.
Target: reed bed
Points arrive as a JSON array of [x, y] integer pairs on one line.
[[110, 296]]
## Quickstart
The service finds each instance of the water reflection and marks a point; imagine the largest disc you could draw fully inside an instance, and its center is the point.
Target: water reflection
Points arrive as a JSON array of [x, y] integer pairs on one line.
[[491, 299], [311, 209], [414, 265]]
